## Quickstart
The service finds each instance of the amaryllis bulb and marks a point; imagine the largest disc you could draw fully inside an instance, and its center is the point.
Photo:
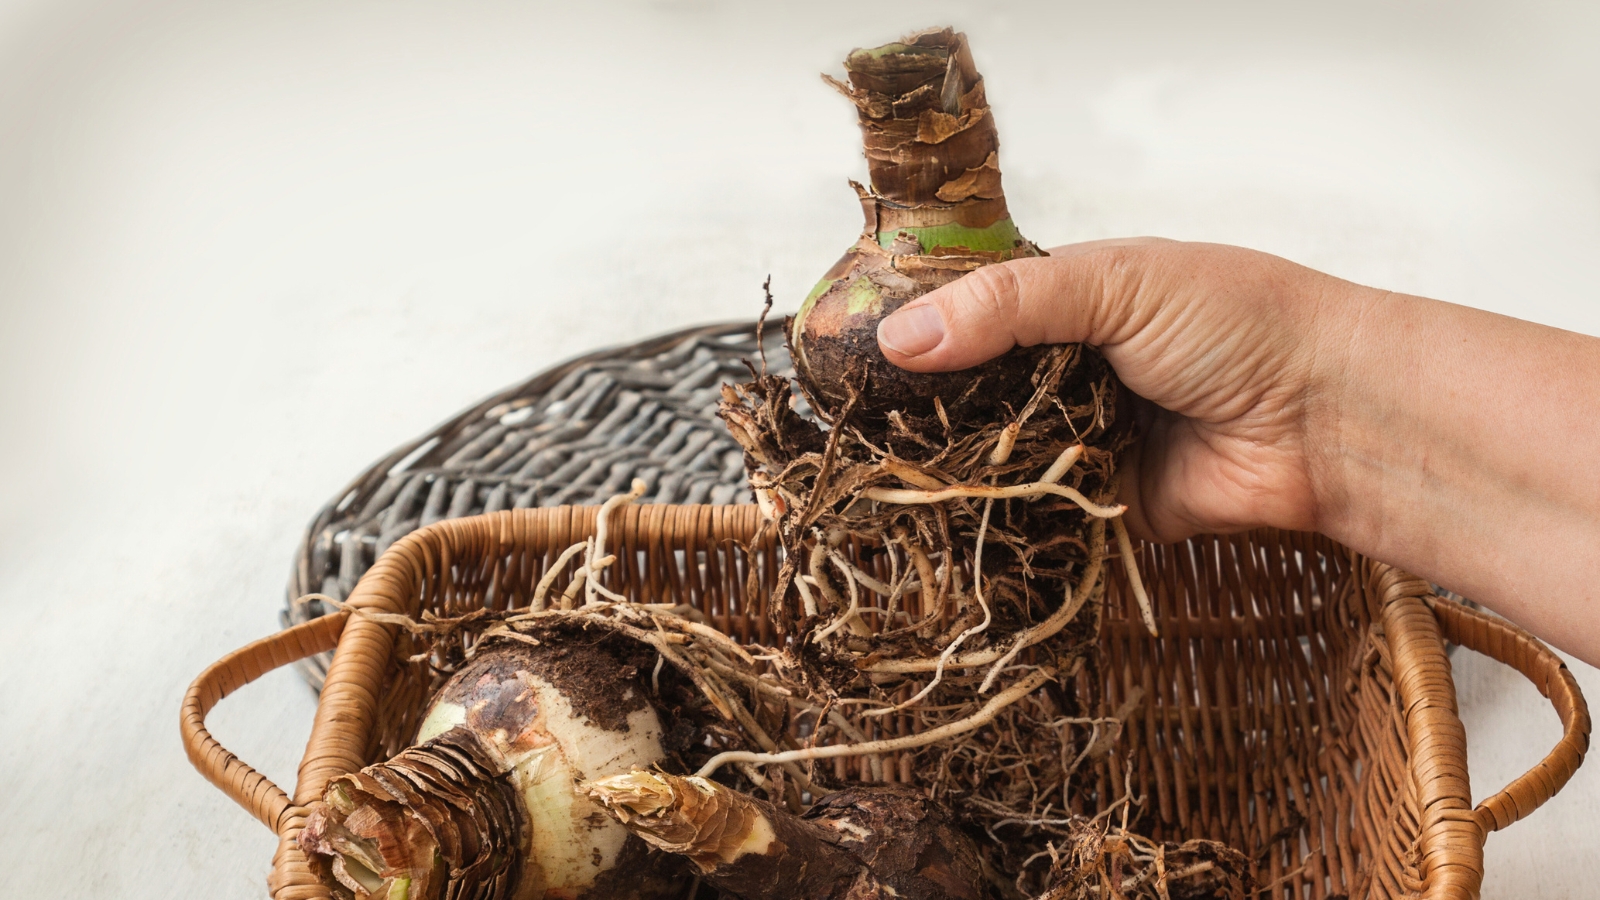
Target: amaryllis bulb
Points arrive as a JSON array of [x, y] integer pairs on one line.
[[484, 804], [934, 212]]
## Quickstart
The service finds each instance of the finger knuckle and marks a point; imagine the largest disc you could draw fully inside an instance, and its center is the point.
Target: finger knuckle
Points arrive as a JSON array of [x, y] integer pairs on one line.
[[992, 292], [1122, 269]]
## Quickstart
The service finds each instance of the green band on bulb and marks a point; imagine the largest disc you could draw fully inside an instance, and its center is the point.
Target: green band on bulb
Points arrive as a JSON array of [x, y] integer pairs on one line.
[[1001, 237]]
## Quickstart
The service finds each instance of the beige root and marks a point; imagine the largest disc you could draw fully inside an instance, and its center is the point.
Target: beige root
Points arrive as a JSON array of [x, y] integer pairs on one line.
[[602, 525], [1134, 581], [1024, 639], [977, 720], [903, 497]]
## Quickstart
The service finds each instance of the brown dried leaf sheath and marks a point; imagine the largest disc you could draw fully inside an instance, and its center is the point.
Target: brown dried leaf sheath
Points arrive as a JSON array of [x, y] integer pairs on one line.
[[436, 814], [923, 91]]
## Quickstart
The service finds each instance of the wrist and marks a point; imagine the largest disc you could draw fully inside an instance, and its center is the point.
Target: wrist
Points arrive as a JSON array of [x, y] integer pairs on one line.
[[1352, 371]]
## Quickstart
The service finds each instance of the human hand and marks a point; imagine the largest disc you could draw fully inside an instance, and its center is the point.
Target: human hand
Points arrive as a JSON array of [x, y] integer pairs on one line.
[[1455, 443], [1226, 347]]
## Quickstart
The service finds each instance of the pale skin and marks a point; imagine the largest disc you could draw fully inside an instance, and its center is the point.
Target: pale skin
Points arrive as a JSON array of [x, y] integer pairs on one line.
[[1460, 445]]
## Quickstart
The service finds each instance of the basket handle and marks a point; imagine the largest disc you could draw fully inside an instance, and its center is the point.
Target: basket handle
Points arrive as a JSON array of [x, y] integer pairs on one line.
[[248, 788], [1503, 641]]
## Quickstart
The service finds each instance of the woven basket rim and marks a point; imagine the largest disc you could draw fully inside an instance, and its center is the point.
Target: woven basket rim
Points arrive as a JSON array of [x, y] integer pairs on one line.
[[1413, 624]]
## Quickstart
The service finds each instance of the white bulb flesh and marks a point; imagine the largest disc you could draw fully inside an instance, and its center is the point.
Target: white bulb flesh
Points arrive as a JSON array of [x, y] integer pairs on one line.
[[530, 728]]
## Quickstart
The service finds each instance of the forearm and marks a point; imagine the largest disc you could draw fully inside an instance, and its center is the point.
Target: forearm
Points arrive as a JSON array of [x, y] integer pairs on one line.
[[1465, 447]]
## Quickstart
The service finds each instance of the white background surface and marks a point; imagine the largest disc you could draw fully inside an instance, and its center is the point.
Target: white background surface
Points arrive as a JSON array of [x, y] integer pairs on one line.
[[245, 249]]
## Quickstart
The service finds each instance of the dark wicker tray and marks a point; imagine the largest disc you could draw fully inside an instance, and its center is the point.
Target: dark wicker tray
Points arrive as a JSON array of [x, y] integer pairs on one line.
[[575, 434]]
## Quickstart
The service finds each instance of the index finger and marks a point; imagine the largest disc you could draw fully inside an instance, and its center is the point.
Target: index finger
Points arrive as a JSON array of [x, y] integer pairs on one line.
[[1076, 294]]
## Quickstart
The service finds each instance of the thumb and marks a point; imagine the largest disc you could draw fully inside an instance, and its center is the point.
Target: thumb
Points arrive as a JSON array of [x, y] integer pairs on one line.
[[1068, 297]]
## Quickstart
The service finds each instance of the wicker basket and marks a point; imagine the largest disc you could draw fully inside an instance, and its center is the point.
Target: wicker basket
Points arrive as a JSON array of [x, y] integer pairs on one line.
[[1298, 704]]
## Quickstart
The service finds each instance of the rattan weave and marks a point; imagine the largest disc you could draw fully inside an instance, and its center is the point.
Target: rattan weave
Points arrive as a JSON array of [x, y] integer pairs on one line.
[[575, 434], [1298, 703]]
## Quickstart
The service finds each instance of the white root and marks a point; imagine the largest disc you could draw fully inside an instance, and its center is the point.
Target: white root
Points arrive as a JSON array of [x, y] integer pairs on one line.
[[953, 646], [1131, 563], [861, 578], [1005, 444], [1008, 435], [1062, 465], [602, 526], [659, 641], [809, 601], [891, 745], [783, 694], [601, 589], [1069, 608], [911, 475], [721, 667], [578, 580], [925, 575], [718, 638], [550, 575], [902, 583], [849, 617], [587, 573], [1039, 632], [988, 492], [675, 610], [756, 732]]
